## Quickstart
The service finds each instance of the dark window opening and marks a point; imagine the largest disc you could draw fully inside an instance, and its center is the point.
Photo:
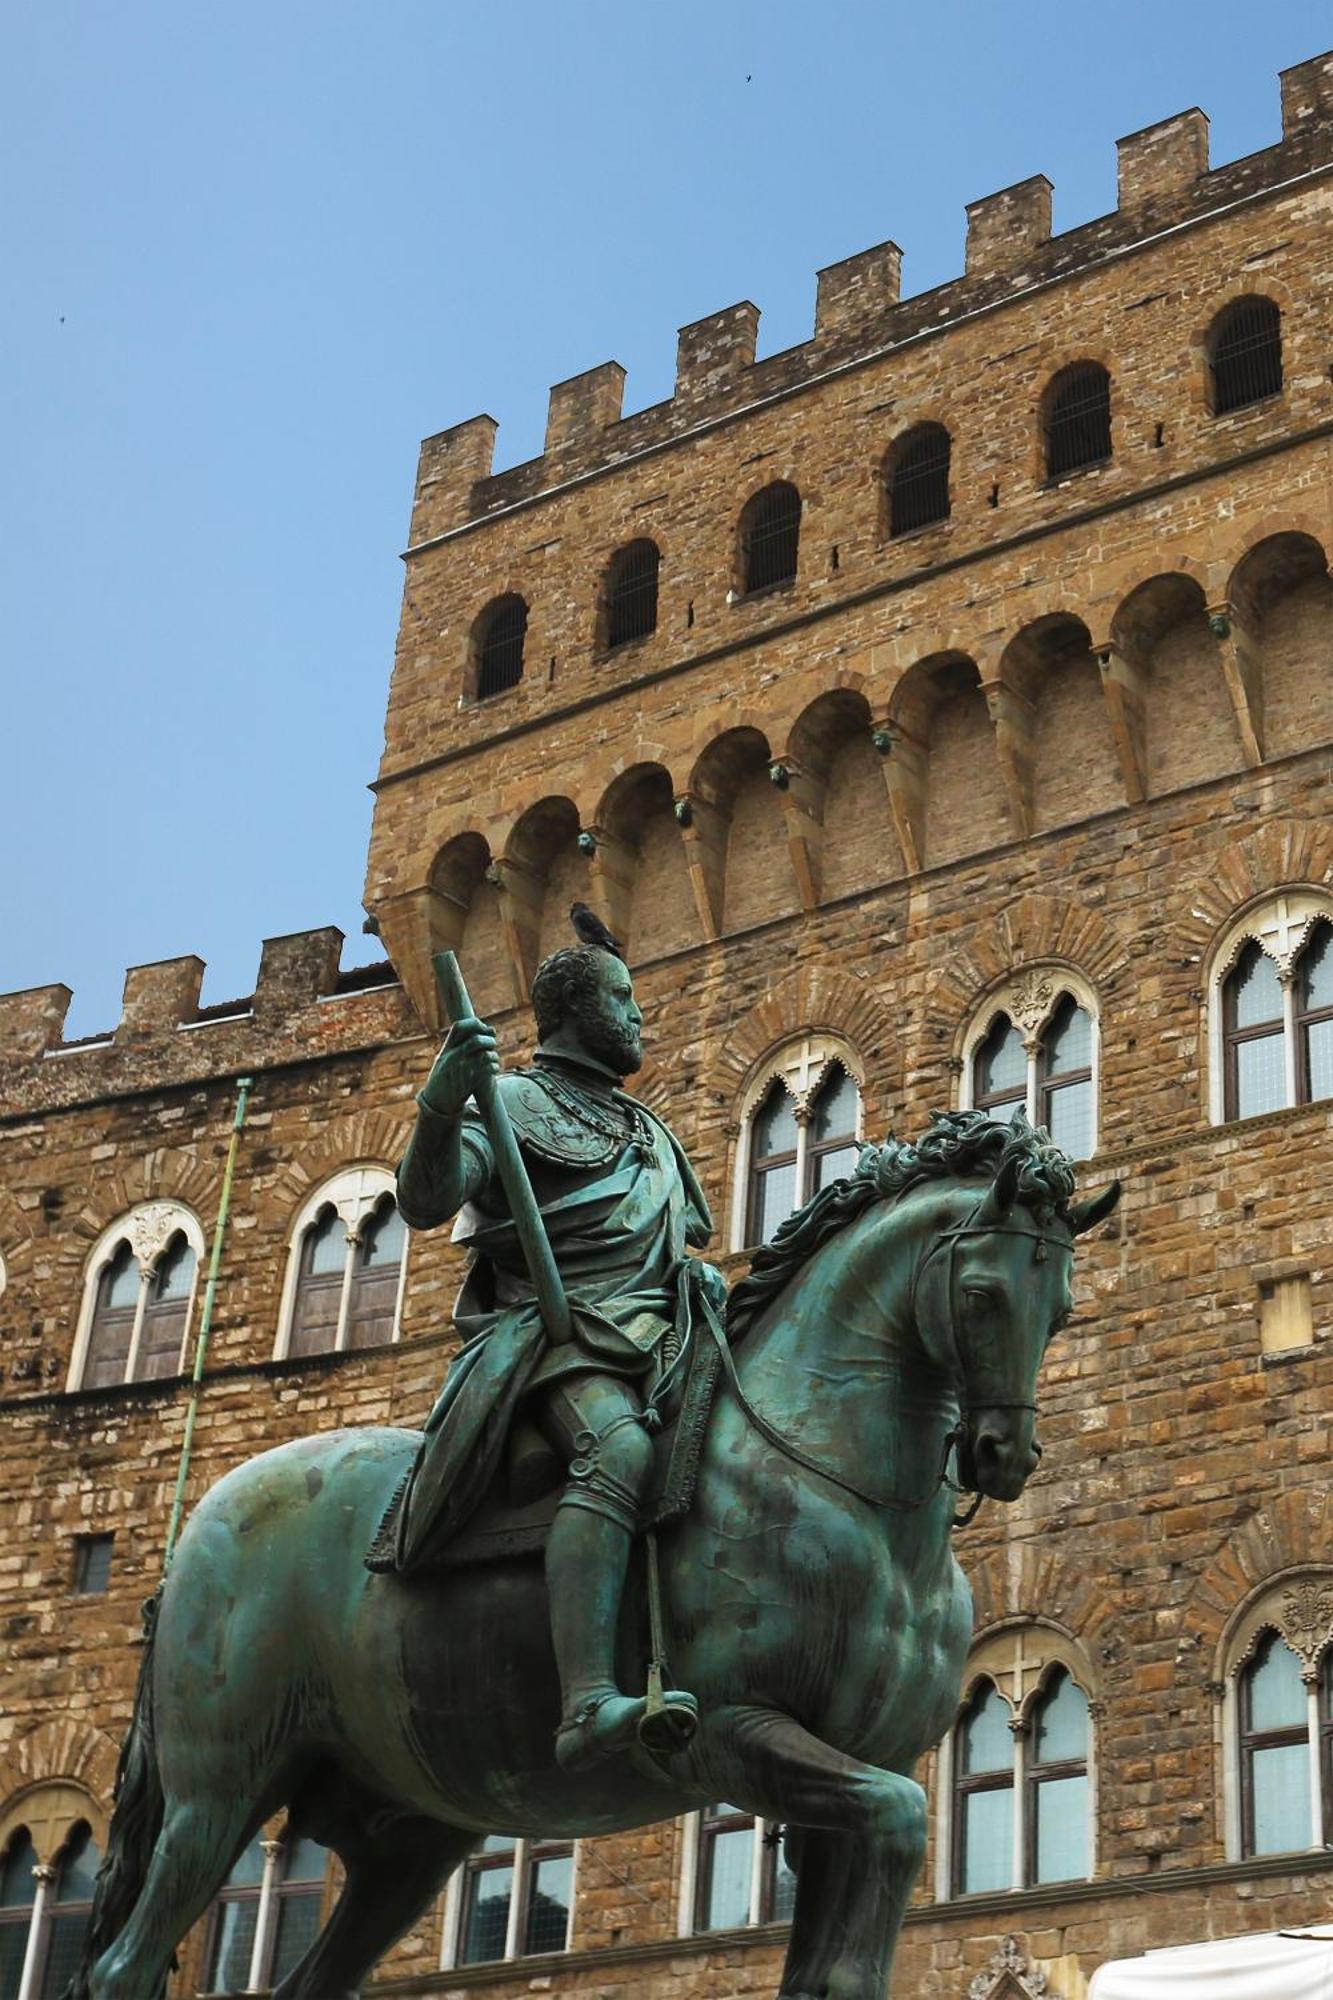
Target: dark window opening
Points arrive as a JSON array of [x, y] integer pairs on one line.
[[92, 1564], [631, 593], [1000, 1071], [918, 480], [516, 1899], [1078, 419], [500, 634], [1245, 354], [377, 1264], [770, 537]]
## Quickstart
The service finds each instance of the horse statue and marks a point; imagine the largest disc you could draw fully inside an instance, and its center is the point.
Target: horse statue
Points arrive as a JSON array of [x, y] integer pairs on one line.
[[893, 1329]]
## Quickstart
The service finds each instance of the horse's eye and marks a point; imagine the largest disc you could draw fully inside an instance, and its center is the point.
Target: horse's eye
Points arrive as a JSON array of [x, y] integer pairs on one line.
[[979, 1295]]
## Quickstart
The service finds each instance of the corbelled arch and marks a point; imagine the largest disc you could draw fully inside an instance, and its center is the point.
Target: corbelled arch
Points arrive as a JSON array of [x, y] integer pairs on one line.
[[819, 995], [640, 873], [1052, 699]]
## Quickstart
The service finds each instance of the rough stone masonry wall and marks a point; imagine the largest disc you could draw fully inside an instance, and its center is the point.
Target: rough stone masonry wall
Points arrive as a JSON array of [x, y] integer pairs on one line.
[[1181, 1466]]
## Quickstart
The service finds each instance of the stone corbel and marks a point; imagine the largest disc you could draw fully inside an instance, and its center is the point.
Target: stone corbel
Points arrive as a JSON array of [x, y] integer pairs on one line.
[[703, 832], [1124, 678], [802, 799], [412, 927], [1011, 717], [904, 763], [1238, 650]]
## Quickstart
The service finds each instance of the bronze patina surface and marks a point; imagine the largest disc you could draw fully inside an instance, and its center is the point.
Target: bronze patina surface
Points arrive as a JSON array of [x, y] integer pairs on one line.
[[813, 1607]]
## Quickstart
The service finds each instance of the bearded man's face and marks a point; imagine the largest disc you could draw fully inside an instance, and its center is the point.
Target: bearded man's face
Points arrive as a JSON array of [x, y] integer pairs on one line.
[[609, 1021]]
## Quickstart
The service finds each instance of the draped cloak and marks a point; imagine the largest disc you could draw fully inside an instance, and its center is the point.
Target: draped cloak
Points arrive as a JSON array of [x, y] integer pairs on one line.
[[619, 1215]]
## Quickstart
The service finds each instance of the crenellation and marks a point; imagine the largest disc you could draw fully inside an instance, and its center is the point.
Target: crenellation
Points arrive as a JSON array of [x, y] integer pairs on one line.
[[855, 293], [1006, 228], [1162, 161], [449, 467], [1164, 179], [1307, 99], [294, 970], [160, 996], [32, 1021], [713, 353], [582, 407]]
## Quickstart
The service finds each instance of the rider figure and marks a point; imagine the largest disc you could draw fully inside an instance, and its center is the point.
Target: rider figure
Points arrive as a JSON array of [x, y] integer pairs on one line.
[[620, 1204]]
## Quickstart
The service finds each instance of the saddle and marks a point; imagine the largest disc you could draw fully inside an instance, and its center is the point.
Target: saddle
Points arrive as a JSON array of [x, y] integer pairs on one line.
[[514, 1517]]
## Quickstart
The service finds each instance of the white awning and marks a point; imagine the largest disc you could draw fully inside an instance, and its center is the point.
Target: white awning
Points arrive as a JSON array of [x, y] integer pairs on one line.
[[1276, 1965]]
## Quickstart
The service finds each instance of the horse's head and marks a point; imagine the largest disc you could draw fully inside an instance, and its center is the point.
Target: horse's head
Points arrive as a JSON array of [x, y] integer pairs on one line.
[[992, 1290]]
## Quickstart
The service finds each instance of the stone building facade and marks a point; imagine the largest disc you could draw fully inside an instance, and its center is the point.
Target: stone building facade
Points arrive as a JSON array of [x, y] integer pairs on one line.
[[942, 712]]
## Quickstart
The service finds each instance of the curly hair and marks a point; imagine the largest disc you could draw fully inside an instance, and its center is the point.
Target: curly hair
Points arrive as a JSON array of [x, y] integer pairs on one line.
[[565, 984]]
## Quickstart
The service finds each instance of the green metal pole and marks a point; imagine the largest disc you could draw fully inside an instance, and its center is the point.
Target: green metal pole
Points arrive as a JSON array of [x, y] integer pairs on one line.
[[243, 1088]]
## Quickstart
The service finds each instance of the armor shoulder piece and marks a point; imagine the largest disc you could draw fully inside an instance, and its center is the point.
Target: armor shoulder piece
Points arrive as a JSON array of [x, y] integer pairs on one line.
[[546, 1128]]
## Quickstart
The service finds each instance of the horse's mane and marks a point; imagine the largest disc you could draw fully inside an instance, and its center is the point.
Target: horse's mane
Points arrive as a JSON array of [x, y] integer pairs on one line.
[[957, 1145]]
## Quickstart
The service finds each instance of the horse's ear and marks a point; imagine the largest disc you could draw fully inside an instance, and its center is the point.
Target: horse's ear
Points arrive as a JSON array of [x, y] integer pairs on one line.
[[1002, 1193], [1084, 1215]]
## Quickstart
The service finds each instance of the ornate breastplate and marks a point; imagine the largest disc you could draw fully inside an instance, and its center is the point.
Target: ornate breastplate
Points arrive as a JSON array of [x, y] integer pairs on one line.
[[558, 1121]]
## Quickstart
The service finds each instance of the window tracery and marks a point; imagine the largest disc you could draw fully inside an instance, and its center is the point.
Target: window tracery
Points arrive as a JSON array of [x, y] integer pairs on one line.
[[801, 1125], [1277, 1720], [346, 1267], [1034, 1047], [138, 1298], [1270, 1005]]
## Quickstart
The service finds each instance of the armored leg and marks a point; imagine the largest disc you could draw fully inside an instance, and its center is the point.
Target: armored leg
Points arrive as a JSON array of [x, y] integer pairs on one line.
[[594, 1422]]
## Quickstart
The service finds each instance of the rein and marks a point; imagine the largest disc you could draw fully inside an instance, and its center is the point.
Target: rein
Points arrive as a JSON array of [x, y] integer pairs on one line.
[[955, 1437]]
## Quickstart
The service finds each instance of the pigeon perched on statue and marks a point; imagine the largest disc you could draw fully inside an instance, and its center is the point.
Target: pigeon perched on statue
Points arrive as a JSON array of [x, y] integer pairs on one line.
[[590, 929]]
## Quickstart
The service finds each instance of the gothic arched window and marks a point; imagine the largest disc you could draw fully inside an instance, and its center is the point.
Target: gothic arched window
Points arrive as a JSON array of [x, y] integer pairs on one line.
[[44, 1913], [139, 1289], [346, 1267], [267, 1916], [1245, 354], [801, 1131], [1034, 1049], [1272, 1006]]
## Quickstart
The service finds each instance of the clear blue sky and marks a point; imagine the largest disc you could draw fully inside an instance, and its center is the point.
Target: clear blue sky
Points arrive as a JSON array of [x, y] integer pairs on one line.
[[252, 253]]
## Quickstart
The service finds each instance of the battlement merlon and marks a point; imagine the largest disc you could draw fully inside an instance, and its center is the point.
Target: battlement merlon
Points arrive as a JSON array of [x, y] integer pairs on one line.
[[296, 972], [1164, 178]]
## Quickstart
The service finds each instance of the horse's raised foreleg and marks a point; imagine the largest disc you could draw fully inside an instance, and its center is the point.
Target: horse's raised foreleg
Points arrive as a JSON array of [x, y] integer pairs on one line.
[[391, 1878], [861, 1840]]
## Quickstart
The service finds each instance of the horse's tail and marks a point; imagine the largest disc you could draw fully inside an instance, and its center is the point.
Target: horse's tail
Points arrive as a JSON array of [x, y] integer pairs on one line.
[[135, 1823]]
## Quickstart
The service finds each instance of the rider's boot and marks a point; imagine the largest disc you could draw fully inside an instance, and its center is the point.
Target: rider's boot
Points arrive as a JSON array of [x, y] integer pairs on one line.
[[587, 1557]]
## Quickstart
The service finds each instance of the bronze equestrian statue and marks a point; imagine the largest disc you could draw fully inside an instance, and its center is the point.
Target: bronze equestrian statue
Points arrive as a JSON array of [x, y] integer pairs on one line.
[[808, 1590]]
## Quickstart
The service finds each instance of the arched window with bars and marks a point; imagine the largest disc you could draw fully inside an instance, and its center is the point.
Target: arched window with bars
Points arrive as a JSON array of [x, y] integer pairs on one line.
[[800, 1130], [346, 1267], [1034, 1049], [497, 646], [1244, 354], [629, 598], [1076, 419], [917, 479], [1272, 1007], [139, 1290], [770, 535]]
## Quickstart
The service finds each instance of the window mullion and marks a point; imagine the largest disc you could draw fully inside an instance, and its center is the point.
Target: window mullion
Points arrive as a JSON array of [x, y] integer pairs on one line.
[[1019, 1868], [257, 1977], [345, 1295], [802, 1155], [1289, 1052], [45, 1877], [517, 1898], [757, 1858], [136, 1334], [1033, 1105], [1316, 1761]]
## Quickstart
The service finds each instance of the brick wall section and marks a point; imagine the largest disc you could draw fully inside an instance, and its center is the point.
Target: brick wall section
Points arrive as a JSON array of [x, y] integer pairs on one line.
[[993, 820]]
